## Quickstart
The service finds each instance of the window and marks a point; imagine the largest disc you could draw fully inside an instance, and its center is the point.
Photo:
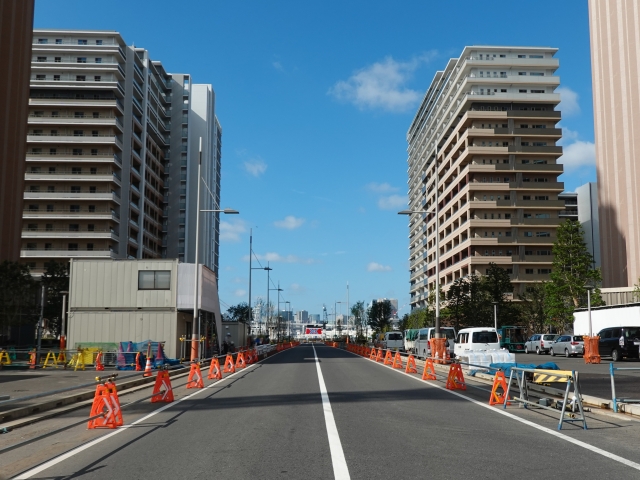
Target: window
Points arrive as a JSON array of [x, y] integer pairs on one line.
[[528, 234], [77, 151], [522, 56], [81, 78], [503, 90], [76, 170], [58, 41], [89, 246], [544, 271], [57, 59], [507, 234], [78, 114], [93, 170], [74, 208], [56, 78], [542, 197], [543, 215], [537, 91], [98, 60], [91, 208], [525, 162], [34, 208], [543, 234], [98, 42], [92, 189], [91, 227], [97, 78], [32, 227], [82, 42], [94, 151], [537, 74], [539, 144], [41, 77], [526, 197], [75, 189], [81, 60], [528, 271], [522, 73], [74, 227], [544, 252], [50, 208], [522, 90], [78, 133], [34, 188], [536, 56], [154, 280], [507, 216], [94, 133], [507, 197], [41, 59], [73, 247], [32, 246], [539, 162], [43, 41], [51, 189]]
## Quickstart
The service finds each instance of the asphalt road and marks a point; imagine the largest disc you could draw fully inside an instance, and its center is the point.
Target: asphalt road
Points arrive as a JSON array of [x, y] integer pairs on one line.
[[269, 421]]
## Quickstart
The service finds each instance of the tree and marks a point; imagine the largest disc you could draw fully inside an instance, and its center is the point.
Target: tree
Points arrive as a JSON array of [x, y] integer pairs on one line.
[[379, 316], [477, 311], [572, 269], [17, 296], [239, 313], [55, 280], [417, 318], [457, 300], [359, 318], [497, 284], [532, 307]]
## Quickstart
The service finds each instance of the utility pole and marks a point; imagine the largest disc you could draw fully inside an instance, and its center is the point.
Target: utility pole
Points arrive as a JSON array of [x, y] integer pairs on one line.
[[40, 326]]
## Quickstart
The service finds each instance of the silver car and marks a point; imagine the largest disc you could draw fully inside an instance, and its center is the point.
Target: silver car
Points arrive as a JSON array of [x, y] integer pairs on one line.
[[570, 345], [539, 343]]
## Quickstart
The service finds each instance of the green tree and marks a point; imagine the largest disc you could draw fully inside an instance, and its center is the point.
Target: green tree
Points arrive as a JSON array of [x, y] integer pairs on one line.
[[477, 310], [417, 318], [239, 313], [359, 318], [572, 268], [55, 280], [457, 300], [532, 307], [379, 316], [17, 296], [497, 284]]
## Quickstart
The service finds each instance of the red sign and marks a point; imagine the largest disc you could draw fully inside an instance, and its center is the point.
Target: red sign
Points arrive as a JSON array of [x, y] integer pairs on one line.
[[313, 331]]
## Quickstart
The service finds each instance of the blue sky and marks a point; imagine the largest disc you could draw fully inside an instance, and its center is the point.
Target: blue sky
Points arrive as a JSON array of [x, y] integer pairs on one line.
[[315, 99]]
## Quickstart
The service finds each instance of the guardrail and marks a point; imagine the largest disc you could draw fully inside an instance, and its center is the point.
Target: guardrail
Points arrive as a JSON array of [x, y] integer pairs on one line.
[[615, 399]]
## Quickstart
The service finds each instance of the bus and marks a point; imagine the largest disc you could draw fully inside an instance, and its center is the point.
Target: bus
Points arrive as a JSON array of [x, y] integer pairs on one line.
[[313, 333]]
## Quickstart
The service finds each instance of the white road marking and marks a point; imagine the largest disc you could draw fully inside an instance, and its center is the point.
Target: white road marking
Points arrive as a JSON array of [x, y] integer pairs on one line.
[[75, 451], [340, 469], [555, 433]]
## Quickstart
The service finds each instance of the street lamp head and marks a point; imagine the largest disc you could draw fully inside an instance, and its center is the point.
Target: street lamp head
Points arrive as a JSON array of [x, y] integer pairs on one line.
[[409, 212], [405, 212], [589, 286], [230, 211]]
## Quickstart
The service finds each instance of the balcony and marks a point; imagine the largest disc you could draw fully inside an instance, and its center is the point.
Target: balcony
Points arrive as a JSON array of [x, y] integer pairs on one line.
[[66, 214], [535, 167], [85, 175], [56, 101], [70, 156], [537, 221], [531, 149], [530, 203], [64, 118], [65, 194], [528, 240], [100, 139], [538, 185], [533, 259], [60, 233], [67, 253]]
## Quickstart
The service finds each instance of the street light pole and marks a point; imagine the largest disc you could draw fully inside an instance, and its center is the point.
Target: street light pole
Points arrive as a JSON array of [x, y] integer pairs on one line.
[[495, 315], [335, 317], [250, 255], [589, 287], [63, 325], [288, 319]]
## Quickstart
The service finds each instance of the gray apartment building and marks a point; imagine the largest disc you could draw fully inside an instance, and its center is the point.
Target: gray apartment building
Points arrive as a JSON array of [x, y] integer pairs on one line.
[[483, 155], [111, 162]]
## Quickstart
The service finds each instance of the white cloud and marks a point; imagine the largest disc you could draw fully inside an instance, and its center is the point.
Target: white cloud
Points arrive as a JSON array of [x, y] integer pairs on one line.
[[568, 135], [382, 85], [381, 187], [296, 289], [240, 293], [392, 202], [230, 231], [276, 257], [290, 222], [568, 101], [577, 155], [278, 66], [255, 166], [376, 267]]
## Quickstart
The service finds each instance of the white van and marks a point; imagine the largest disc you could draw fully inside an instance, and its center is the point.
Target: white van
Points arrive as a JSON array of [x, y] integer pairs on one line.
[[478, 338], [393, 341], [421, 344]]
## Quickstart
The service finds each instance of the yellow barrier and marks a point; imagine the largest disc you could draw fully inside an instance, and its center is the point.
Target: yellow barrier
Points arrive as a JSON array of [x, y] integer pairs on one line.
[[4, 358], [552, 376]]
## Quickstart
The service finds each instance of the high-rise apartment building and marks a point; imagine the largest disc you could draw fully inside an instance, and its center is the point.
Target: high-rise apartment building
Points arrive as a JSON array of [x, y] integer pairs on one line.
[[16, 27], [488, 121], [615, 60], [110, 152]]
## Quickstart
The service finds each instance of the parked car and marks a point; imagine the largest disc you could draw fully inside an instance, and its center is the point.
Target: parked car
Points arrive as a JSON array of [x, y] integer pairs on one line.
[[570, 345], [539, 343], [393, 340], [470, 339], [619, 342], [422, 346]]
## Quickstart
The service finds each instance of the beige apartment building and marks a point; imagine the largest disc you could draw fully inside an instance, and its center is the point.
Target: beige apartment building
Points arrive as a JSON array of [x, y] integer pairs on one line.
[[615, 60], [489, 123], [112, 152]]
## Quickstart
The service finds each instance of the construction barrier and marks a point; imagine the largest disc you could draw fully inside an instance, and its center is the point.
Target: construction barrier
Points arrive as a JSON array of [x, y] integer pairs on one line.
[[497, 398], [105, 410], [99, 365], [571, 379], [429, 372], [77, 361], [195, 377], [615, 399], [455, 379], [388, 358], [162, 380], [411, 365], [4, 358], [397, 361], [591, 349], [240, 362], [32, 359], [51, 360], [229, 366], [379, 355], [214, 370], [372, 355]]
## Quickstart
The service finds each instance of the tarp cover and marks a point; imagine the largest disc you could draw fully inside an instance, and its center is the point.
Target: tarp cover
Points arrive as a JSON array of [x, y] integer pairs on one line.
[[506, 367], [127, 352], [411, 334]]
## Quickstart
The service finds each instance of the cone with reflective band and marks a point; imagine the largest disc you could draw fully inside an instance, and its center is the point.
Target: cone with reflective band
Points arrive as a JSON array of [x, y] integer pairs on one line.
[[229, 367], [240, 362], [107, 404], [388, 358], [397, 361], [147, 368], [496, 397], [455, 379], [214, 370], [411, 365], [429, 370], [138, 367], [162, 390], [195, 377]]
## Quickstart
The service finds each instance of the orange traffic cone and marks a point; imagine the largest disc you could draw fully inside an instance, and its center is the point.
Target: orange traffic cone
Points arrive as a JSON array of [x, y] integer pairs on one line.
[[379, 355], [455, 379], [32, 359], [429, 370], [372, 356], [138, 367], [240, 362], [228, 364], [397, 361], [162, 380], [107, 405], [195, 377], [99, 365], [499, 398], [147, 368], [214, 370], [411, 365], [388, 359]]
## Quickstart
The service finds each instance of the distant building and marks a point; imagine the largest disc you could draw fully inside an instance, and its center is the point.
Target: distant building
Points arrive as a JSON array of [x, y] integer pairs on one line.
[[314, 318], [392, 301], [302, 316], [570, 211], [589, 219]]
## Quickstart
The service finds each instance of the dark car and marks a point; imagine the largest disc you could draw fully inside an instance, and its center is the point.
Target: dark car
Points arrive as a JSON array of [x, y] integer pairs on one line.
[[619, 342]]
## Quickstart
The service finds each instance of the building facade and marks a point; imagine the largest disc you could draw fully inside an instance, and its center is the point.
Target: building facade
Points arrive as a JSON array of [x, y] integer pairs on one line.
[[489, 123], [615, 59], [589, 219], [570, 211], [16, 29], [108, 154]]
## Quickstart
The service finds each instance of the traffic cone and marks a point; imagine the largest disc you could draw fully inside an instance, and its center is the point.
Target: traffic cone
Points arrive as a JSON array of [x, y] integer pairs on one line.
[[496, 398], [115, 403], [388, 359], [411, 365], [373, 354], [397, 361], [379, 355], [32, 359], [162, 380], [147, 368], [455, 379], [138, 366], [214, 370], [229, 367], [195, 377], [429, 370], [99, 365], [240, 361]]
